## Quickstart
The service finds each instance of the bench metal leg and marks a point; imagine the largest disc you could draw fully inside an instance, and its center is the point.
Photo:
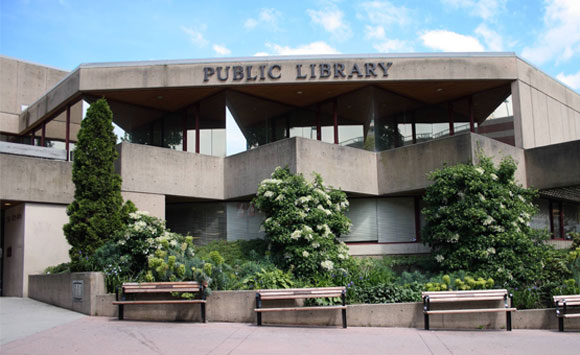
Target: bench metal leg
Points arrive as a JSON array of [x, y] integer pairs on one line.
[[509, 321], [259, 305], [203, 313], [121, 313], [426, 307], [561, 324], [343, 297]]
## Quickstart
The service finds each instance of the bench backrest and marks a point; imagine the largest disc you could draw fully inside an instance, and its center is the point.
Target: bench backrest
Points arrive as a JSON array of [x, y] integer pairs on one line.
[[459, 296], [296, 293], [571, 300], [162, 287]]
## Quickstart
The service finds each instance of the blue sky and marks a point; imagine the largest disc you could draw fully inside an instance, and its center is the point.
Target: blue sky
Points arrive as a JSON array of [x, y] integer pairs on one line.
[[65, 33]]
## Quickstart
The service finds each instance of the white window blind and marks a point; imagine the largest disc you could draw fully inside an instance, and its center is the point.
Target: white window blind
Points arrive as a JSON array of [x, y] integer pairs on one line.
[[396, 219], [243, 221], [363, 215]]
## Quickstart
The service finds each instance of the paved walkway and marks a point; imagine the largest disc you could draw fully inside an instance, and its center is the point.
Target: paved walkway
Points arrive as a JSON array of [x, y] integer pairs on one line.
[[101, 335]]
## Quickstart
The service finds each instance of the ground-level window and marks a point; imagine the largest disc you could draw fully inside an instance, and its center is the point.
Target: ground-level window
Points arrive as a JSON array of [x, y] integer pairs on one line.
[[384, 220], [211, 221], [560, 218]]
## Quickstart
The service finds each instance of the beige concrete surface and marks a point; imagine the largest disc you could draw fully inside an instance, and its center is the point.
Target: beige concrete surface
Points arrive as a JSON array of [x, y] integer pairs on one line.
[[44, 241], [99, 335], [152, 203], [13, 266], [58, 290], [341, 167], [34, 179], [405, 169], [154, 170], [251, 167], [238, 307], [498, 151], [545, 111], [23, 317], [22, 83], [553, 166]]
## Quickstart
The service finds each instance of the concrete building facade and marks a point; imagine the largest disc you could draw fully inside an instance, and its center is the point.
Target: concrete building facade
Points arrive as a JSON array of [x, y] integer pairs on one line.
[[371, 125]]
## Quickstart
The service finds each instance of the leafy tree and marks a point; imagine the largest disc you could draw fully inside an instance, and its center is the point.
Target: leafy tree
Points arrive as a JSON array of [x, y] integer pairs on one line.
[[97, 213], [303, 222], [478, 220]]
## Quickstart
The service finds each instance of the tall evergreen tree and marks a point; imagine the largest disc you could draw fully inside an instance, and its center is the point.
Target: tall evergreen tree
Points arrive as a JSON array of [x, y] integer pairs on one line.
[[97, 212]]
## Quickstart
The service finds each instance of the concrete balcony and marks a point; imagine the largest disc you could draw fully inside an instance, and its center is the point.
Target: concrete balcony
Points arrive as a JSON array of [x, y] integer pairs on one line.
[[151, 173]]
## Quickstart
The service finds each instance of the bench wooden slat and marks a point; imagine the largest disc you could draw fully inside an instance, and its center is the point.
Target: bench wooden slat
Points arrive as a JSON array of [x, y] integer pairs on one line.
[[439, 297], [569, 315], [472, 295], [452, 311], [162, 290], [295, 297], [568, 303], [146, 288], [477, 293], [312, 308], [574, 297], [300, 293], [317, 289], [568, 300], [464, 299], [159, 302]]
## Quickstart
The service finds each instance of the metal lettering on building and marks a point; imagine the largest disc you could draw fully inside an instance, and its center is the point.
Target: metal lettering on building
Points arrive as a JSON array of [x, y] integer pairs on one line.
[[314, 71]]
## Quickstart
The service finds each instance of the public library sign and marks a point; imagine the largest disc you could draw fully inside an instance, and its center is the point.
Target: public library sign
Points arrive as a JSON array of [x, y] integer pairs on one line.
[[313, 71]]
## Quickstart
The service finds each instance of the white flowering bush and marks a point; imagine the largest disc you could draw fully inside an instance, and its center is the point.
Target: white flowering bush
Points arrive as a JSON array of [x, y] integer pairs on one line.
[[478, 220], [304, 221]]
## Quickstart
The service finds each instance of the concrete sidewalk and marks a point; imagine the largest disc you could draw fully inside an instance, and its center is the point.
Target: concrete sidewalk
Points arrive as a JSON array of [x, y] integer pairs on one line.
[[100, 335], [21, 317]]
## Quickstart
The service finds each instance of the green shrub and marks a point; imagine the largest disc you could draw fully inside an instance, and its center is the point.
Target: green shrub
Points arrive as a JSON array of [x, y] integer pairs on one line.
[[267, 279], [478, 220], [58, 269], [384, 293], [97, 211], [303, 222]]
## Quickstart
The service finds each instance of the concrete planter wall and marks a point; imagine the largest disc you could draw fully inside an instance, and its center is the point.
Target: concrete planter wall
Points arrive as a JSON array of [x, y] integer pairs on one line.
[[238, 306], [76, 291]]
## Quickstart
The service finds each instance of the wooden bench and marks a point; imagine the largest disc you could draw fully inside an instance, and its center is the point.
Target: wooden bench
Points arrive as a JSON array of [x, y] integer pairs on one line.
[[562, 303], [468, 296], [300, 293], [149, 288]]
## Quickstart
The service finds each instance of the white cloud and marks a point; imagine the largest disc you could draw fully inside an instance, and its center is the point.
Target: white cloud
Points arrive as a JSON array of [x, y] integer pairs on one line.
[[221, 50], [384, 13], [384, 44], [485, 9], [267, 17], [493, 40], [560, 37], [331, 19], [250, 23], [572, 80], [448, 41], [319, 47], [374, 32], [393, 45], [261, 54], [195, 36]]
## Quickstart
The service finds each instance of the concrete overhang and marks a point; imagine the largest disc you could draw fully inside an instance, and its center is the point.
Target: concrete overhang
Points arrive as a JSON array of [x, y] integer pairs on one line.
[[294, 80], [400, 171], [553, 167], [188, 176]]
